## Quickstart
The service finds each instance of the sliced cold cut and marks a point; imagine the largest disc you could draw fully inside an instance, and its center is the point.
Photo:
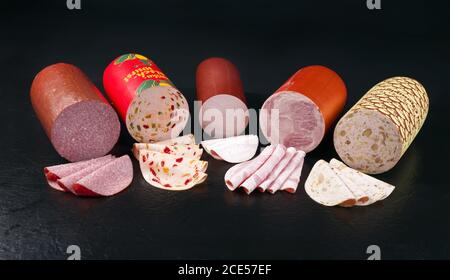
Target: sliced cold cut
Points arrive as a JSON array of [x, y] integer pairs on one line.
[[147, 101], [107, 180], [291, 183], [182, 140], [232, 149], [239, 172], [67, 182], [75, 116], [359, 182], [55, 172], [167, 172], [250, 184], [178, 150], [290, 152], [293, 164], [223, 112], [300, 112], [326, 188], [374, 134]]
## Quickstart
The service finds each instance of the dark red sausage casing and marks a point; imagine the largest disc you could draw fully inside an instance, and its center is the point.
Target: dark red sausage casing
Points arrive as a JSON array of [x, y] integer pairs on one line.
[[300, 112], [74, 114], [219, 88]]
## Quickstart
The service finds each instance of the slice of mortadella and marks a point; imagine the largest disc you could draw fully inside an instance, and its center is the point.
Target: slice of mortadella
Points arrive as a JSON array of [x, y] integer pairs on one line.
[[178, 150], [68, 181], [250, 184], [108, 180], [374, 189], [326, 188], [290, 152], [296, 161], [238, 173], [232, 149], [55, 172]]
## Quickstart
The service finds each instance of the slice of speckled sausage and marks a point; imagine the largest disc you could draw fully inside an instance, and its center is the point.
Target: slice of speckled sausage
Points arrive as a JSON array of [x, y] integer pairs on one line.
[[374, 134], [74, 114], [108, 180], [55, 172]]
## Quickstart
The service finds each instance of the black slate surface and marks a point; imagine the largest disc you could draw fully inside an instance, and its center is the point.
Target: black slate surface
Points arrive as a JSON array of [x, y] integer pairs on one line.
[[268, 42]]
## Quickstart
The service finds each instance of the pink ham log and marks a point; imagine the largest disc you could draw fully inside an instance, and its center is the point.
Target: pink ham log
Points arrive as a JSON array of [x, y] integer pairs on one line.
[[290, 152], [55, 172], [291, 183], [68, 181], [238, 173], [108, 180], [296, 161], [264, 170]]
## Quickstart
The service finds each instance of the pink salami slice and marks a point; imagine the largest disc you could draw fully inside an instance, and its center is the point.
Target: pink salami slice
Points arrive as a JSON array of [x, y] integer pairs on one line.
[[172, 173], [290, 152], [292, 165], [67, 182], [232, 149], [55, 172], [291, 183], [178, 150], [238, 173], [108, 180], [264, 170]]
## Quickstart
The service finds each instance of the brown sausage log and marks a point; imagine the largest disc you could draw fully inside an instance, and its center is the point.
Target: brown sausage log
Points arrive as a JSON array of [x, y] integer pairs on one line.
[[74, 114]]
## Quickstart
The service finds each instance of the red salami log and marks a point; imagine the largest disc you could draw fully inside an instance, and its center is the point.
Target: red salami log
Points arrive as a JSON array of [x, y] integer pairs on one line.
[[300, 112], [74, 114], [223, 112], [147, 101]]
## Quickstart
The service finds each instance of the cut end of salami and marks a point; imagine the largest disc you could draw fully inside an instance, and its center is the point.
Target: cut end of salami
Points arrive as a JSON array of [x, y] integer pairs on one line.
[[85, 130], [157, 113], [382, 147], [223, 115], [293, 120]]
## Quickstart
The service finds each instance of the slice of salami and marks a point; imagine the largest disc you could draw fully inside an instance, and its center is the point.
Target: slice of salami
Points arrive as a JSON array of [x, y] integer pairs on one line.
[[107, 180], [239, 172], [264, 170], [373, 188], [290, 152], [326, 188], [75, 116], [55, 172], [172, 173], [157, 113], [233, 149], [67, 182], [296, 161], [178, 150]]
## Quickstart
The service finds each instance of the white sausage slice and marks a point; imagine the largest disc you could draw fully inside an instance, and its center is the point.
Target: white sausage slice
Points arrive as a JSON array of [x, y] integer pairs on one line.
[[233, 149]]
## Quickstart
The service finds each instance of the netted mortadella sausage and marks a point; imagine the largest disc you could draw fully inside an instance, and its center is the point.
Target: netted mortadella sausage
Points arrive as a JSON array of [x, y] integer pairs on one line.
[[374, 134], [74, 114], [223, 112], [300, 112]]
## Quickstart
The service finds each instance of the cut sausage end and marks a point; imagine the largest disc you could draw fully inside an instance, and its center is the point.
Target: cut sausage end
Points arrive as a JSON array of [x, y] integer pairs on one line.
[[293, 120], [85, 130]]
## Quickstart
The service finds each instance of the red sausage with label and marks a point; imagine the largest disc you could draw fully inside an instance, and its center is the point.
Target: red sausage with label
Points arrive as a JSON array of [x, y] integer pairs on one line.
[[223, 112], [74, 114]]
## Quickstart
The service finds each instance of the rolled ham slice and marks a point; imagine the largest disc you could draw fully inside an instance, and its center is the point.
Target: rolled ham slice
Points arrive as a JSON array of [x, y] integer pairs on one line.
[[296, 161], [359, 182], [67, 182], [291, 183], [107, 180], [55, 172], [233, 149], [250, 184], [290, 152], [326, 188], [178, 150], [167, 172], [238, 173]]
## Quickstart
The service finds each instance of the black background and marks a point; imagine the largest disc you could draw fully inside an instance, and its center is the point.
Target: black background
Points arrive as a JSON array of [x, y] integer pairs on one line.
[[268, 41]]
